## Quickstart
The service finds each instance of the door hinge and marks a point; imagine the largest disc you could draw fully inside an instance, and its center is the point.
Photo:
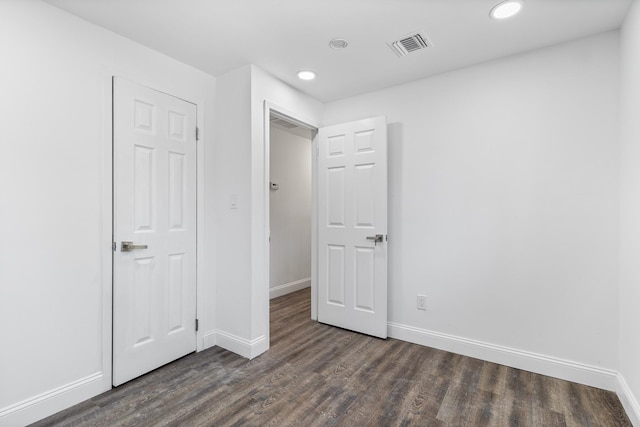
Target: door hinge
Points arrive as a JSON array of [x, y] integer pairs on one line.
[[197, 325], [113, 246], [197, 133]]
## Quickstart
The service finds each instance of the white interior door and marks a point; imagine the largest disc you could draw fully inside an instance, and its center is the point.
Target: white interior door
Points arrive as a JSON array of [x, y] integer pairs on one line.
[[352, 226], [154, 290]]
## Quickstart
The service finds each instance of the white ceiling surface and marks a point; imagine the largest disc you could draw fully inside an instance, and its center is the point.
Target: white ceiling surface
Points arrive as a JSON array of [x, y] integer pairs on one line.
[[284, 36]]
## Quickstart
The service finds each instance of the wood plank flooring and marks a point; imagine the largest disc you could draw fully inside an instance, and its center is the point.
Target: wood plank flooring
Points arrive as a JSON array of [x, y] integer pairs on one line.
[[316, 375]]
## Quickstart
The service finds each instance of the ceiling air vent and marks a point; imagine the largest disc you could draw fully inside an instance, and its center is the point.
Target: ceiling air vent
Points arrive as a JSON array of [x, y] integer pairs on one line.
[[409, 44]]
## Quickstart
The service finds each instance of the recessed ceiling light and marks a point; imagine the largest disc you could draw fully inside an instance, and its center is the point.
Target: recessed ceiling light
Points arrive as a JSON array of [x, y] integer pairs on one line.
[[306, 75], [338, 43], [506, 9]]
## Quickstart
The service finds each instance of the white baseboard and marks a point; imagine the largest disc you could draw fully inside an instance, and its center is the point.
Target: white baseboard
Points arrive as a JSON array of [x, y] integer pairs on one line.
[[241, 346], [551, 366], [48, 403], [629, 401], [287, 288], [209, 339]]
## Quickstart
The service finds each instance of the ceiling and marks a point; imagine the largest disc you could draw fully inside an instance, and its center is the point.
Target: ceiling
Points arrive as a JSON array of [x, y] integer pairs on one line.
[[285, 36]]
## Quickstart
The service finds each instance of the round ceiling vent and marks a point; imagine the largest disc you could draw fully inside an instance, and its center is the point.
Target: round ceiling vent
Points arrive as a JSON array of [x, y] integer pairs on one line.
[[338, 43]]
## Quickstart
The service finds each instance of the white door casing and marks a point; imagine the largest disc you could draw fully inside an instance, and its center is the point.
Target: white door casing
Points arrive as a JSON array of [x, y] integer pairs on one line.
[[352, 210], [154, 290]]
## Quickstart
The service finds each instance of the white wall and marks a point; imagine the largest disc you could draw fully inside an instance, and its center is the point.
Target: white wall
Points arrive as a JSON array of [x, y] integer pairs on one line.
[[630, 214], [55, 181], [233, 180], [503, 208], [290, 213], [242, 322]]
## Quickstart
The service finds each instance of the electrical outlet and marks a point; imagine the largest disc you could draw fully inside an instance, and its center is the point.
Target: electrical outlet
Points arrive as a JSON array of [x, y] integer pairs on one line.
[[422, 302]]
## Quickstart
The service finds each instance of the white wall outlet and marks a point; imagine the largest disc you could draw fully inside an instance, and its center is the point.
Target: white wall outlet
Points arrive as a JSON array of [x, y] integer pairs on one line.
[[422, 302]]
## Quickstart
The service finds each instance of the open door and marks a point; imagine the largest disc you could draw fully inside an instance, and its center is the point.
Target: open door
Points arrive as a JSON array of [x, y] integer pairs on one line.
[[154, 259], [352, 226]]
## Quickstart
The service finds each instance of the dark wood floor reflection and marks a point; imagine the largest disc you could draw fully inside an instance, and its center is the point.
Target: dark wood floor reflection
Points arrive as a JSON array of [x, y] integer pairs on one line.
[[316, 375]]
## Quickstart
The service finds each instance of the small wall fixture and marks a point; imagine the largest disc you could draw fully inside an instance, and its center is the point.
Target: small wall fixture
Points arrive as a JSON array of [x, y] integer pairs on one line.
[[306, 75], [506, 9]]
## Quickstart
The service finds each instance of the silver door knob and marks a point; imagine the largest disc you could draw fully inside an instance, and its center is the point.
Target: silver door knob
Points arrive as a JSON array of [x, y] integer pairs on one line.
[[129, 246], [377, 238]]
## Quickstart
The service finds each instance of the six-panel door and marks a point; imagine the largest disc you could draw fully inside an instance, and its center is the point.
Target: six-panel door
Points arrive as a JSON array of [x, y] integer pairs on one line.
[[352, 212], [154, 209]]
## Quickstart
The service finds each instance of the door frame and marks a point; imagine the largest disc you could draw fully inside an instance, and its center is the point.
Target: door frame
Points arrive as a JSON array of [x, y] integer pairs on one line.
[[269, 109], [107, 221]]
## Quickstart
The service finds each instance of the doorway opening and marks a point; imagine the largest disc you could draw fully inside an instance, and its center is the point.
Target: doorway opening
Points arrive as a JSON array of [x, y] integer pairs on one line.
[[348, 222], [290, 204], [289, 207]]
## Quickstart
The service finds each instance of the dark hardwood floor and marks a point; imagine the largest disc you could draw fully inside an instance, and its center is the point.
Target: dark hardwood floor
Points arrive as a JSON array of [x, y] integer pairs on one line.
[[316, 375]]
